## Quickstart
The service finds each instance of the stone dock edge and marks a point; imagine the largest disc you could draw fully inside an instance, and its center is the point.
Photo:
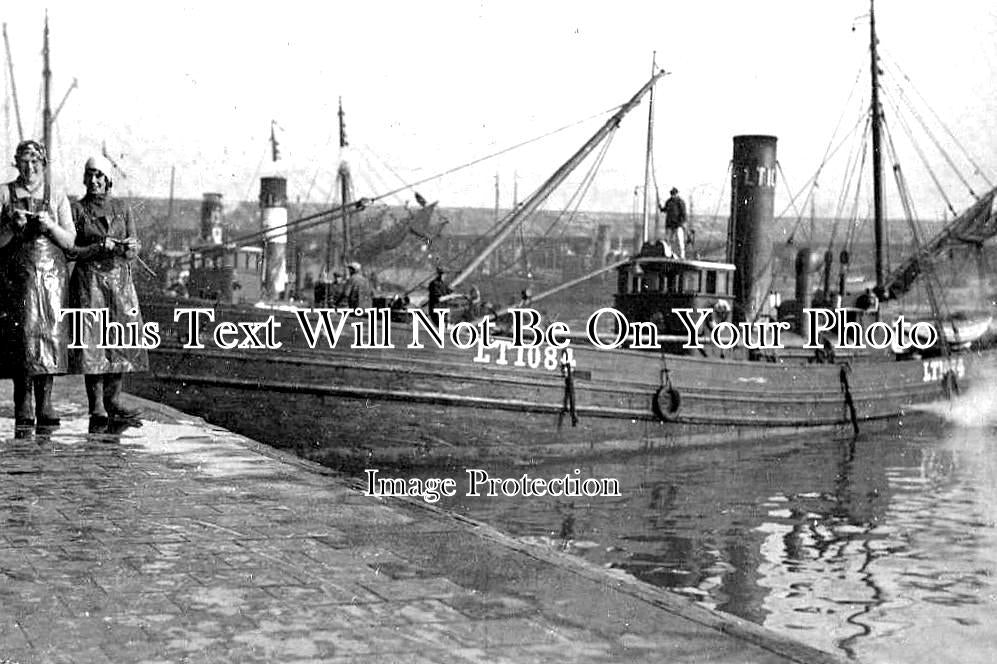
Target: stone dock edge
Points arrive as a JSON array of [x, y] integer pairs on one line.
[[674, 605]]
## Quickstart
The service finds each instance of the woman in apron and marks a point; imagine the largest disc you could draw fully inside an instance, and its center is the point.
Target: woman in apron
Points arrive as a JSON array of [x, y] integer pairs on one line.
[[36, 226], [106, 243]]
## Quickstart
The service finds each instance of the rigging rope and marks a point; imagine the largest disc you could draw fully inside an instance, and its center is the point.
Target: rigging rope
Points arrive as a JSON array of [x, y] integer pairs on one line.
[[586, 182], [383, 163], [853, 223], [827, 157], [828, 153], [928, 267], [311, 185], [850, 177], [792, 201], [474, 162], [576, 198], [977, 169], [923, 157], [253, 181], [312, 220], [716, 211], [938, 145]]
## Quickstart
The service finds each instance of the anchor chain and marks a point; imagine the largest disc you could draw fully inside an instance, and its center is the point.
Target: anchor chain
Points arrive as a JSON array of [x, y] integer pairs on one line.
[[849, 402], [568, 403]]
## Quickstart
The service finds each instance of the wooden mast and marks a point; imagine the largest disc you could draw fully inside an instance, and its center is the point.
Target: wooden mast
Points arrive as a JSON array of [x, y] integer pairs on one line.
[[645, 221], [169, 210], [540, 195], [344, 185], [47, 115], [877, 157]]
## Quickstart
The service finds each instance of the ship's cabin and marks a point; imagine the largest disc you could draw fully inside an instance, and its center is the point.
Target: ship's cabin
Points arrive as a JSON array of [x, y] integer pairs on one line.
[[226, 274], [649, 287]]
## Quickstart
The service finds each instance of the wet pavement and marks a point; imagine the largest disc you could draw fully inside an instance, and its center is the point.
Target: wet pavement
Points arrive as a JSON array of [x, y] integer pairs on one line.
[[182, 542]]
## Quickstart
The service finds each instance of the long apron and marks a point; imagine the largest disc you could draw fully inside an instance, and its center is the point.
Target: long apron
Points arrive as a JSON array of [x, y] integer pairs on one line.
[[104, 281], [31, 330]]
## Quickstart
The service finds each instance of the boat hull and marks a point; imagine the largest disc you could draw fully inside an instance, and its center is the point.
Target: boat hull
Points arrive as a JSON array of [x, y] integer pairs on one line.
[[361, 407]]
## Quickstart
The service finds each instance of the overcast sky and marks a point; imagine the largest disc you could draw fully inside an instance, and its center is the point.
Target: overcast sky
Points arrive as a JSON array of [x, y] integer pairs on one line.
[[428, 86]]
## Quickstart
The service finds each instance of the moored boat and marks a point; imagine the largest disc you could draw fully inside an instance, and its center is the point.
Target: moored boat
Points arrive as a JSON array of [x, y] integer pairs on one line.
[[606, 392]]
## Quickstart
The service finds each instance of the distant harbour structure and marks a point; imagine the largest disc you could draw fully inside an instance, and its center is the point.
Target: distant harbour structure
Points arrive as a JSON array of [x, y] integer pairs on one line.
[[273, 218], [212, 209]]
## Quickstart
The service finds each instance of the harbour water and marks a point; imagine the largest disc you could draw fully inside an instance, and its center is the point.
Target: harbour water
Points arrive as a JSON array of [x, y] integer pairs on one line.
[[881, 549]]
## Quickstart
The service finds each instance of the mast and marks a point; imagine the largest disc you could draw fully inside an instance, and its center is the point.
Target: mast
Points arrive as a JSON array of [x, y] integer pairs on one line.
[[169, 210], [496, 197], [47, 115], [344, 184], [647, 161], [13, 85], [544, 191], [877, 157]]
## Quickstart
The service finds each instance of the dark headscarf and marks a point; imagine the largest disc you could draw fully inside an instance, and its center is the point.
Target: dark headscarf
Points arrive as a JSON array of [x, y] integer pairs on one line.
[[31, 148]]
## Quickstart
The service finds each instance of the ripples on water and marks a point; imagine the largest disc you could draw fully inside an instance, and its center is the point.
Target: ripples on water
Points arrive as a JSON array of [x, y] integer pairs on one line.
[[883, 549]]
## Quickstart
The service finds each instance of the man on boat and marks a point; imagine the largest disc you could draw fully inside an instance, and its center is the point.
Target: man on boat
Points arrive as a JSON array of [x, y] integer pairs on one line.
[[868, 302], [337, 289], [438, 290], [474, 309], [357, 291], [674, 209]]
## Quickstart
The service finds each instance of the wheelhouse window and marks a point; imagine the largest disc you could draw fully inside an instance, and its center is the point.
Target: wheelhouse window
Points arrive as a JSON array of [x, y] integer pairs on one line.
[[711, 282], [690, 282]]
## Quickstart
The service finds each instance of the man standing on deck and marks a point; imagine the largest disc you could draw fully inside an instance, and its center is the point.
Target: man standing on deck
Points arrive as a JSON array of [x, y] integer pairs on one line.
[[674, 209], [336, 290], [357, 291], [438, 289]]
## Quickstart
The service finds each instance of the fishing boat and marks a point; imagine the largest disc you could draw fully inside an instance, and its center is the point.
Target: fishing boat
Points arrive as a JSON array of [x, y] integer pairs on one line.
[[428, 391]]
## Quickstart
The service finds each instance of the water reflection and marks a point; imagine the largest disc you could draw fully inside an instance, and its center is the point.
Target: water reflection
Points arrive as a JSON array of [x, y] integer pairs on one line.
[[867, 547]]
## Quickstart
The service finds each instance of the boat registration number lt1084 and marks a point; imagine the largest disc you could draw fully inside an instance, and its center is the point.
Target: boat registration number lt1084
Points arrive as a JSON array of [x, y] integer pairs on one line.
[[504, 353], [936, 368]]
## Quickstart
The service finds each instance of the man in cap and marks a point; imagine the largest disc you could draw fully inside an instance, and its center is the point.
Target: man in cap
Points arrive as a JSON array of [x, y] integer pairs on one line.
[[36, 227], [106, 243], [357, 291], [674, 209], [438, 289]]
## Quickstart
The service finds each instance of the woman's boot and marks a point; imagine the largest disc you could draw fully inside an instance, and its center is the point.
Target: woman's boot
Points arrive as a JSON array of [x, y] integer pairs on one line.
[[95, 401], [23, 391], [112, 400], [44, 413]]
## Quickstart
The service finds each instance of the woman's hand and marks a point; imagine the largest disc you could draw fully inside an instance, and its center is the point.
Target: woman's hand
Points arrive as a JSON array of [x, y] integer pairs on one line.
[[20, 219], [45, 221]]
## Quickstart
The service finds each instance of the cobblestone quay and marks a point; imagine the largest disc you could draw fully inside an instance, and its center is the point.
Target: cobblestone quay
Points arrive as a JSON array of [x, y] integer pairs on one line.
[[182, 542]]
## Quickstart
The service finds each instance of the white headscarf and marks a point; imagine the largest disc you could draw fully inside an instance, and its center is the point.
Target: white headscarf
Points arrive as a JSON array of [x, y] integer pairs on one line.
[[99, 163]]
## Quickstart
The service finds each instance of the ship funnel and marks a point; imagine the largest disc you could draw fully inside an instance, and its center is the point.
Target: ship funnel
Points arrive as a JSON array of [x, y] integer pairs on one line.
[[273, 215], [211, 219], [807, 262], [749, 241]]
